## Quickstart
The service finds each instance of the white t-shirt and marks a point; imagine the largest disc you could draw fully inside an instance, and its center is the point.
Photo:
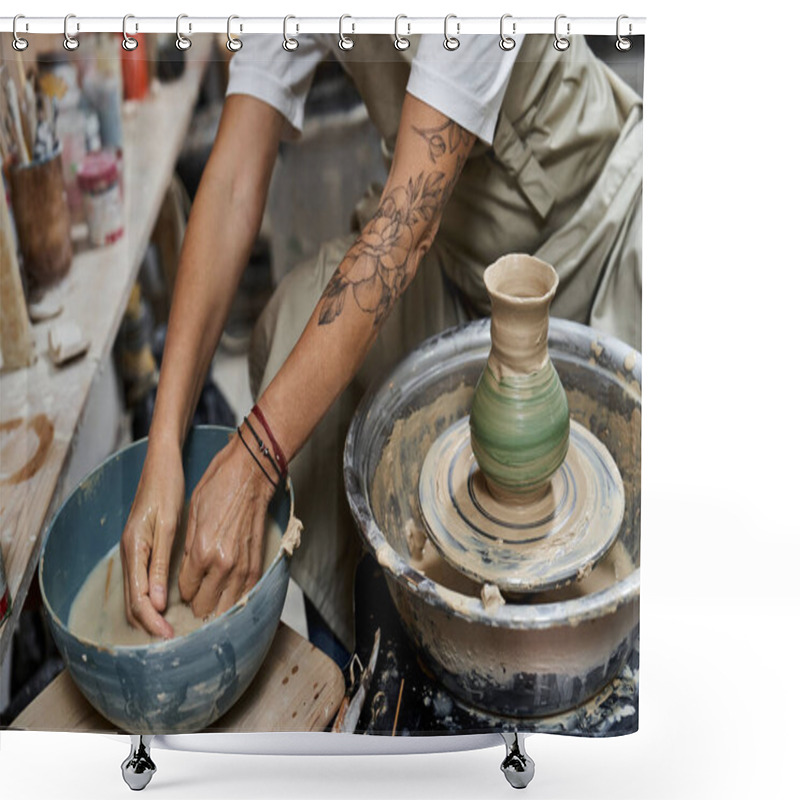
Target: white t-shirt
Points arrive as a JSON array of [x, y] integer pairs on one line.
[[467, 85]]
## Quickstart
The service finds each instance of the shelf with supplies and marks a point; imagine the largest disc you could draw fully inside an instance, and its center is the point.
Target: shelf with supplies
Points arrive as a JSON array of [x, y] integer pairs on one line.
[[42, 405]]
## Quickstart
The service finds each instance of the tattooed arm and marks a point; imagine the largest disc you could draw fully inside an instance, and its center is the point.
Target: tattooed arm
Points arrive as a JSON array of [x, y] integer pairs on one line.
[[223, 224], [381, 264], [430, 153], [221, 543]]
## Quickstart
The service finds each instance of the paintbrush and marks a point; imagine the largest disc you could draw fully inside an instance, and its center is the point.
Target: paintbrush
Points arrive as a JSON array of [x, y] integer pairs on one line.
[[45, 144], [30, 116], [5, 152], [5, 143], [20, 71], [5, 115], [14, 111], [5, 133], [8, 107]]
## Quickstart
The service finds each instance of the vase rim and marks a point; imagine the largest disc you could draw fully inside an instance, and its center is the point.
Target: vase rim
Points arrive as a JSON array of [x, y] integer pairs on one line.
[[521, 279]]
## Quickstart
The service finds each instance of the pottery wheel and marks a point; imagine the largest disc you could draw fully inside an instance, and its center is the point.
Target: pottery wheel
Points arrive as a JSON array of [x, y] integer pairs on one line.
[[521, 548]]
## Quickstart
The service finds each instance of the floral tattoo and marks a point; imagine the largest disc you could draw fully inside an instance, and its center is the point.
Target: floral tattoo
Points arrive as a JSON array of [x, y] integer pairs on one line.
[[446, 138], [376, 270]]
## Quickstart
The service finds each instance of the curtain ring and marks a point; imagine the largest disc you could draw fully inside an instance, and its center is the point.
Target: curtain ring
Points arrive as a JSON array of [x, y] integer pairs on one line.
[[289, 44], [451, 42], [70, 42], [128, 42], [623, 44], [18, 43], [400, 42], [561, 43], [181, 42], [234, 43], [506, 42], [345, 42]]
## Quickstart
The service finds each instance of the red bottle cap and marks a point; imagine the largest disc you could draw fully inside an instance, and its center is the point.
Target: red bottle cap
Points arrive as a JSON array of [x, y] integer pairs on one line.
[[98, 171]]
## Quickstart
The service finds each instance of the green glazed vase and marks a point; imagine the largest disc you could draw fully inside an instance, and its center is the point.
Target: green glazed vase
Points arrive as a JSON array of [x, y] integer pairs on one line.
[[519, 421]]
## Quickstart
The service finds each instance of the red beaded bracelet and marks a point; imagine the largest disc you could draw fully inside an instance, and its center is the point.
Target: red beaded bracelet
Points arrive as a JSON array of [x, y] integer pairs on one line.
[[276, 448]]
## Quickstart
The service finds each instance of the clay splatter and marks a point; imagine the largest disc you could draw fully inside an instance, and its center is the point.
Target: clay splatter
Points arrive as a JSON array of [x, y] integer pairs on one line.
[[43, 428]]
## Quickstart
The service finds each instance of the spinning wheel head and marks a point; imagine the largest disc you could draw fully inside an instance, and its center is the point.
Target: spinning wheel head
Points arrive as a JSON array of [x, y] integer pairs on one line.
[[540, 545]]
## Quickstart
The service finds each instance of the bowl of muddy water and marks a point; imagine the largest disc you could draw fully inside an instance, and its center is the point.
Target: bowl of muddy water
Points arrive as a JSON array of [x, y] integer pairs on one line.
[[143, 684], [520, 657]]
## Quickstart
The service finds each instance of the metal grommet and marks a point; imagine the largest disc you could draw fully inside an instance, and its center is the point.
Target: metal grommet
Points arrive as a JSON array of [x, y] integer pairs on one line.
[[70, 42], [451, 42], [128, 42], [400, 42], [181, 42], [345, 42], [234, 43], [561, 43], [289, 44], [506, 42], [18, 43], [623, 44]]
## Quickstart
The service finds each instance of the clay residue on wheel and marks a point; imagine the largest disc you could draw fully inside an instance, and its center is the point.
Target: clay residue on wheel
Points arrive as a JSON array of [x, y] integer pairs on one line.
[[537, 654], [395, 500], [21, 450]]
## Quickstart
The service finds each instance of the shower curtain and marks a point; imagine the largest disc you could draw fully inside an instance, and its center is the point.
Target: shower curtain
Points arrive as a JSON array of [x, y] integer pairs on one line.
[[243, 251]]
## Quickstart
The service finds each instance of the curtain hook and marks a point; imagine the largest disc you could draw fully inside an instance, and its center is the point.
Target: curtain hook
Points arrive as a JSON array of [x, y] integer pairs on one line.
[[560, 42], [18, 43], [506, 42], [181, 42], [451, 42], [345, 42], [400, 42], [289, 44], [234, 43], [623, 43], [128, 42], [70, 42]]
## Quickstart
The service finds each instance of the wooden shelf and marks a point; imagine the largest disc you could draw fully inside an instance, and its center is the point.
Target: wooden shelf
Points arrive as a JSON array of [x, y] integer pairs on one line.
[[94, 295]]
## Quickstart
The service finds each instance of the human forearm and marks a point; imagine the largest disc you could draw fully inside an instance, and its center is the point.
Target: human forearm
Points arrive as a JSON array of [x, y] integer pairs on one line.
[[377, 269], [225, 218], [223, 224]]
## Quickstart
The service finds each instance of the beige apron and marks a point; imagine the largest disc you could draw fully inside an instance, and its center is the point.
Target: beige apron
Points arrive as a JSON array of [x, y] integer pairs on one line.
[[562, 180]]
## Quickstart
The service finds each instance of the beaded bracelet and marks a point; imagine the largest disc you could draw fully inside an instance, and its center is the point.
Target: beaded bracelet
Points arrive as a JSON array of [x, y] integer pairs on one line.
[[263, 449], [255, 458], [279, 456]]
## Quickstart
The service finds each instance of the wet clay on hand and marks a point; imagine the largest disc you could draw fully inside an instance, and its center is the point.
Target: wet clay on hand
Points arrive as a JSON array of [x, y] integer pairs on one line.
[[98, 611]]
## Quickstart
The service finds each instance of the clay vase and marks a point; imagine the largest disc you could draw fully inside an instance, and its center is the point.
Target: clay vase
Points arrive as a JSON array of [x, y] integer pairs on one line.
[[519, 422]]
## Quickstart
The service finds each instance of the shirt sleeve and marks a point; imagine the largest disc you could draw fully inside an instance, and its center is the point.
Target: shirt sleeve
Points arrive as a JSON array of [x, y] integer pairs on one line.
[[264, 70], [467, 84]]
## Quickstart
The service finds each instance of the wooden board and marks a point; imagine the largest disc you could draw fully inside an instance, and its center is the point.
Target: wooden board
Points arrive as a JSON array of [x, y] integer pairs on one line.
[[297, 689], [94, 295]]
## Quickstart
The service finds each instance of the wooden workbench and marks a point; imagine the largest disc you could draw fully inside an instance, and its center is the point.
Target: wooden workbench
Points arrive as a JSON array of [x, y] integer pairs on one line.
[[41, 406], [298, 688]]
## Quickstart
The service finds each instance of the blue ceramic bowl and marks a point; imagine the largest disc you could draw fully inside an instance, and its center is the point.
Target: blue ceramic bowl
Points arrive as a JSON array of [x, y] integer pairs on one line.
[[172, 686]]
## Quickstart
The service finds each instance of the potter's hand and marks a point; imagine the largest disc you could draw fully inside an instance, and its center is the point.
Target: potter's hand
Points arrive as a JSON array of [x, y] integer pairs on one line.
[[147, 539], [225, 535]]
